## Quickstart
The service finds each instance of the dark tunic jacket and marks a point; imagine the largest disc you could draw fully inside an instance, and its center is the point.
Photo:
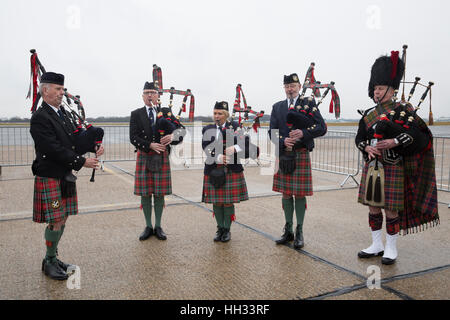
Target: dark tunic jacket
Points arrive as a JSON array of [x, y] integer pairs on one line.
[[54, 144], [209, 146], [141, 135], [278, 121]]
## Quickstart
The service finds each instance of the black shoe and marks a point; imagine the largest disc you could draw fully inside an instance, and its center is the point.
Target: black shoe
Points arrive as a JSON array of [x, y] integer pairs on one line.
[[62, 265], [219, 233], [287, 235], [146, 234], [52, 270], [365, 255], [298, 242], [226, 235], [160, 233], [387, 261]]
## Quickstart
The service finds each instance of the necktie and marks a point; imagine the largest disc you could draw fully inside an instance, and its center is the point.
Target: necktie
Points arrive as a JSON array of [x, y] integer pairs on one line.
[[291, 102], [60, 114], [150, 116]]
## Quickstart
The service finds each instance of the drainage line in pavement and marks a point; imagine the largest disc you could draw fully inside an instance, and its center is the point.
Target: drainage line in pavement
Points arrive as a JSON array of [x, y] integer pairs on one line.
[[336, 293], [415, 274]]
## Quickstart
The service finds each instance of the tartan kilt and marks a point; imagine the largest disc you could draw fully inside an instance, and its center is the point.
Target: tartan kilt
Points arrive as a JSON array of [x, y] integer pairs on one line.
[[147, 183], [299, 183], [393, 186], [48, 204], [233, 191]]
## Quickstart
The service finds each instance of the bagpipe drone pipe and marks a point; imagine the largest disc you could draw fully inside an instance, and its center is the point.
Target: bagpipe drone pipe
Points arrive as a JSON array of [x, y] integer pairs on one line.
[[166, 121], [242, 134], [86, 137]]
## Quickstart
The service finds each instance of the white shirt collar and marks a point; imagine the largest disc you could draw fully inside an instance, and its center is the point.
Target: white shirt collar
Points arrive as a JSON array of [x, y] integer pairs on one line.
[[54, 108], [295, 100]]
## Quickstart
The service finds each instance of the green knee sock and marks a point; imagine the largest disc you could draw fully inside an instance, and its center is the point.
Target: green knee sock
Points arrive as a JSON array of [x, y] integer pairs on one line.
[[300, 208], [218, 214], [51, 241], [60, 233], [147, 208], [159, 206], [288, 208], [227, 213]]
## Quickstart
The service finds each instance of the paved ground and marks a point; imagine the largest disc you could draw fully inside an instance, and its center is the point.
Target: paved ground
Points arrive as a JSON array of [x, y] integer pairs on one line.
[[103, 241]]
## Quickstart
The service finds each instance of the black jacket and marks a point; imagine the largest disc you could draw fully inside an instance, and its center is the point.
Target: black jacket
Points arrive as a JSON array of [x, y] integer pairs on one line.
[[278, 121], [209, 146], [141, 136], [54, 144]]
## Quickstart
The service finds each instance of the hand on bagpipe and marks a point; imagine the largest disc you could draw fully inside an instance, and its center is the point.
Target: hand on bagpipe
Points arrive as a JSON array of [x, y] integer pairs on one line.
[[401, 124], [87, 138], [167, 122]]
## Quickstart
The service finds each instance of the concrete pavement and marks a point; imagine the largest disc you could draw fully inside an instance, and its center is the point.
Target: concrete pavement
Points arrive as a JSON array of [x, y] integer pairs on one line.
[[103, 241]]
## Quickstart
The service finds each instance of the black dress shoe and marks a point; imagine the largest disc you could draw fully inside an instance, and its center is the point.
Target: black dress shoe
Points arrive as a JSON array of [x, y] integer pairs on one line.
[[226, 235], [160, 233], [298, 242], [219, 233], [146, 234], [286, 237], [387, 261], [365, 255], [52, 270]]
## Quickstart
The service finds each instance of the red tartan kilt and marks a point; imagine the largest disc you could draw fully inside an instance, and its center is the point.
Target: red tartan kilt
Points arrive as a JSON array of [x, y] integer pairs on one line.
[[299, 183], [233, 191], [393, 186], [48, 205], [147, 183]]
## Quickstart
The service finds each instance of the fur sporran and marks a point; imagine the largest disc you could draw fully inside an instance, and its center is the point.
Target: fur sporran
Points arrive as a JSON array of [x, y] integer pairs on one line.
[[287, 162], [154, 163], [68, 185], [374, 195], [217, 177]]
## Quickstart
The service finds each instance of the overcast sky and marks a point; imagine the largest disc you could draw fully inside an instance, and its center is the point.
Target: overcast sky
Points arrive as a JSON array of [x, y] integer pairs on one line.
[[106, 49]]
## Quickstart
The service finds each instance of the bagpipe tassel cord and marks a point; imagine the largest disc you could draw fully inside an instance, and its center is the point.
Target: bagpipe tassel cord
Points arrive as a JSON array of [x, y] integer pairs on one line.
[[333, 96], [377, 193], [369, 188], [34, 76]]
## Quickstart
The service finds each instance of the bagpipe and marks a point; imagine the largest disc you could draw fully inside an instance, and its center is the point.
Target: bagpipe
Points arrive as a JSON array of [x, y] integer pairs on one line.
[[401, 122], [166, 121], [251, 150], [303, 116], [245, 111], [87, 138]]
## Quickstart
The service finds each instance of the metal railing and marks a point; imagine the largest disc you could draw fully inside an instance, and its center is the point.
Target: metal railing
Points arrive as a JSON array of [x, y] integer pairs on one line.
[[334, 153]]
